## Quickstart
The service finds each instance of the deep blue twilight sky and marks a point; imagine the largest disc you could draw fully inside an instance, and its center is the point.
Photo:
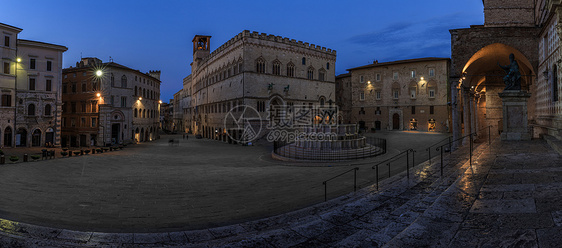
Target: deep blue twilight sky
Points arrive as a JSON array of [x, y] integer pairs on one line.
[[156, 35]]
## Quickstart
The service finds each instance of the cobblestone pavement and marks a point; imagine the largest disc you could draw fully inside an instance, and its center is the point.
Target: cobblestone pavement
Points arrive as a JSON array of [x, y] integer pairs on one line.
[[153, 187], [509, 197]]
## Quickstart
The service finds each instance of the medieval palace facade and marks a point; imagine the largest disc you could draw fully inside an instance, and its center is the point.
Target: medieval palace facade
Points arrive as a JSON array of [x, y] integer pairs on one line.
[[256, 70]]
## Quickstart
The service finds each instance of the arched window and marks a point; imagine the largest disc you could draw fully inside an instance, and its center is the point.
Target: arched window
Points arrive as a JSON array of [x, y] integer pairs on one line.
[[303, 60], [310, 73], [276, 67], [31, 110], [290, 69], [144, 93], [136, 112], [112, 80], [124, 81], [144, 113], [136, 91], [321, 74], [48, 110], [260, 65]]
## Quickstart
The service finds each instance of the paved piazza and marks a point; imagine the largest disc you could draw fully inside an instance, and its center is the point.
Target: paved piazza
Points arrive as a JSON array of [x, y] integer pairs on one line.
[[153, 187]]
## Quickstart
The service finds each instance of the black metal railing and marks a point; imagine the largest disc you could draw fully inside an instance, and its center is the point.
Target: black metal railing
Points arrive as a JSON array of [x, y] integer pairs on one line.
[[392, 159], [471, 145], [354, 181], [331, 151]]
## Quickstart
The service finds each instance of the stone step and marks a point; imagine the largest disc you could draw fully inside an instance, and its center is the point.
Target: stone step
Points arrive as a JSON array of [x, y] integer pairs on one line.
[[366, 218]]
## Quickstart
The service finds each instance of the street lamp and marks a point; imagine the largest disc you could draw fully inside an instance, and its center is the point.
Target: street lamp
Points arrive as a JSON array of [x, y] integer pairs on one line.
[[99, 73]]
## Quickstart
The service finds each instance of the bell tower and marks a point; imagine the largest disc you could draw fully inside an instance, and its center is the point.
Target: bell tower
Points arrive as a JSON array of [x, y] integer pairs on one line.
[[201, 46]]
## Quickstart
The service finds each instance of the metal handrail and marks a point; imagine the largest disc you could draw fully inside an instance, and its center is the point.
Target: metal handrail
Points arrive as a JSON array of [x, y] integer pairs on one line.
[[354, 181], [389, 160]]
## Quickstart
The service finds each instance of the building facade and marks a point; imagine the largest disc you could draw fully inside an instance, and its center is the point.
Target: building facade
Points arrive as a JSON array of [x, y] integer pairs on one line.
[[343, 97], [30, 82], [255, 70], [108, 103], [398, 95], [529, 30]]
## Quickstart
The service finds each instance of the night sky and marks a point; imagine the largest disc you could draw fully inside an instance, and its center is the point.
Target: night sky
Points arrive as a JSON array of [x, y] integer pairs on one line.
[[156, 35]]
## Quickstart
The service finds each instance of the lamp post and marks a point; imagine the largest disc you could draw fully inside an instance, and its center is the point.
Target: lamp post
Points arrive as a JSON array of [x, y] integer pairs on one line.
[[14, 132], [99, 75]]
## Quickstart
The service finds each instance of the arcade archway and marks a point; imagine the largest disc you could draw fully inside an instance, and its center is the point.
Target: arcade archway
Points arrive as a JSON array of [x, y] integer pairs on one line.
[[480, 83]]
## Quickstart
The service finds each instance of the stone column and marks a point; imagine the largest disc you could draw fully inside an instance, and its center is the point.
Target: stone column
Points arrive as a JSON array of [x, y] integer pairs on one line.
[[472, 100], [455, 113], [475, 113], [466, 113]]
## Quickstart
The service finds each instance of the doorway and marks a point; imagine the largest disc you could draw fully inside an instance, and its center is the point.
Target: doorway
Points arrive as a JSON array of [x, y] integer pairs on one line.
[[115, 130], [395, 121]]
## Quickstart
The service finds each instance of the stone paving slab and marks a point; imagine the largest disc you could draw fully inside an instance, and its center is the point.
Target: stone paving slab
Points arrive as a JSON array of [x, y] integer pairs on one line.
[[474, 205]]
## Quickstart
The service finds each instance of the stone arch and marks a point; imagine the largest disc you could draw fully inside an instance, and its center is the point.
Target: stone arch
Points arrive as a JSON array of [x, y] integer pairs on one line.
[[36, 137], [8, 136]]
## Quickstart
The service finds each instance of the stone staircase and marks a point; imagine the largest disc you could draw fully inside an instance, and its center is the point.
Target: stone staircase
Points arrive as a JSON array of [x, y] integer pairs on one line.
[[367, 218], [401, 213]]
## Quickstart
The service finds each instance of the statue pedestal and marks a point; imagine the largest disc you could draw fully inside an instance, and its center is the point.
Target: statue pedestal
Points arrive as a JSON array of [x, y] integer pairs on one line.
[[515, 115]]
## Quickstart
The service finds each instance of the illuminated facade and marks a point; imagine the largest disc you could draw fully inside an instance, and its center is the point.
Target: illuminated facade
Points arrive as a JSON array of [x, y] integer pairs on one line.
[[108, 103], [531, 31], [256, 70], [30, 81], [398, 95]]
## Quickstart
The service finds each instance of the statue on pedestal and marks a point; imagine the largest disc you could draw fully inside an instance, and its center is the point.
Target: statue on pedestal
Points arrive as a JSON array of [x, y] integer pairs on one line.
[[513, 78]]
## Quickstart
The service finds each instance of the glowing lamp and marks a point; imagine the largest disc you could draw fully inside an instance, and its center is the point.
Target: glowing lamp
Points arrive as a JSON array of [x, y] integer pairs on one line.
[[99, 73], [18, 60], [98, 94], [140, 98]]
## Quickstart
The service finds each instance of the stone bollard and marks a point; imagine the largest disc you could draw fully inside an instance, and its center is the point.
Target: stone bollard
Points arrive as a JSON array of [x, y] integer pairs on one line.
[[2, 159], [25, 158]]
